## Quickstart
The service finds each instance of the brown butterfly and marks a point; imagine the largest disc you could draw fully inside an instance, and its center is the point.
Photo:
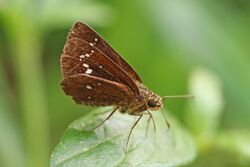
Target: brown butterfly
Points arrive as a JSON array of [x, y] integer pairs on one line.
[[95, 74]]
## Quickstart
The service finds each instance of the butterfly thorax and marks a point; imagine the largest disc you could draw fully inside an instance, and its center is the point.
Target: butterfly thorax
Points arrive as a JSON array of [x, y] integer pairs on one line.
[[148, 100]]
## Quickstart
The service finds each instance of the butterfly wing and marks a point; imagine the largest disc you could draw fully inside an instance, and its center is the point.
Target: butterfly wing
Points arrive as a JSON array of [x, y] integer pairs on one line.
[[91, 90], [84, 32], [80, 56]]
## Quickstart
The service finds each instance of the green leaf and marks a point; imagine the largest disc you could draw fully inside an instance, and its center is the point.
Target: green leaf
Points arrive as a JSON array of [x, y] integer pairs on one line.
[[105, 146]]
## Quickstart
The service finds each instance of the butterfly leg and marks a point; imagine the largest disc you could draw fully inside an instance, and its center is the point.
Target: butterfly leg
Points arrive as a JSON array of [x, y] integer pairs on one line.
[[148, 122], [151, 116], [103, 112], [167, 123], [130, 132], [106, 118]]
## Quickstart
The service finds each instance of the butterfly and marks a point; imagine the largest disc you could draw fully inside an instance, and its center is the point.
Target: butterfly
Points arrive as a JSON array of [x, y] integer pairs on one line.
[[96, 75]]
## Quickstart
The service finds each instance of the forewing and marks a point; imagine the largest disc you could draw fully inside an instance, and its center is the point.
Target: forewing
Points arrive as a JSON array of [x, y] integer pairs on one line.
[[84, 32], [91, 90], [79, 57]]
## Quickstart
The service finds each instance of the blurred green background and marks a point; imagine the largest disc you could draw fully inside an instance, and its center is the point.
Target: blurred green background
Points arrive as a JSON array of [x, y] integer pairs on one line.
[[176, 46]]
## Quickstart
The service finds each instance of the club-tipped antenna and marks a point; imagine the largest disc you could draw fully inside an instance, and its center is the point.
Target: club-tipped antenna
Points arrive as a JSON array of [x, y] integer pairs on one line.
[[178, 97]]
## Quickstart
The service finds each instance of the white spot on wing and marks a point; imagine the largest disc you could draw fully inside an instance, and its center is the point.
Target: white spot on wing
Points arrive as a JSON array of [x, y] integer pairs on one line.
[[99, 83], [100, 66], [96, 39], [91, 44], [85, 65], [88, 71], [87, 55], [82, 56], [89, 97], [88, 87], [92, 51]]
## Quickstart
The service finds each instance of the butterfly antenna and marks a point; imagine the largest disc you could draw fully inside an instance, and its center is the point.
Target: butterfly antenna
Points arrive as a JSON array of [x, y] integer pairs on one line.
[[167, 123], [175, 97], [178, 97]]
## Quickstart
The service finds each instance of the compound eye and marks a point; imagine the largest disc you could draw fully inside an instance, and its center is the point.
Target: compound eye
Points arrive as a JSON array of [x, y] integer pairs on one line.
[[151, 103]]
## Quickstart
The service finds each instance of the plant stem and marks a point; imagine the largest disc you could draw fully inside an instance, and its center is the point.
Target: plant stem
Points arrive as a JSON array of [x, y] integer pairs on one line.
[[26, 52]]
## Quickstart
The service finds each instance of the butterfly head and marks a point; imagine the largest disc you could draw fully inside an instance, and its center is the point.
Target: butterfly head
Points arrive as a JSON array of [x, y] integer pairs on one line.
[[154, 102]]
